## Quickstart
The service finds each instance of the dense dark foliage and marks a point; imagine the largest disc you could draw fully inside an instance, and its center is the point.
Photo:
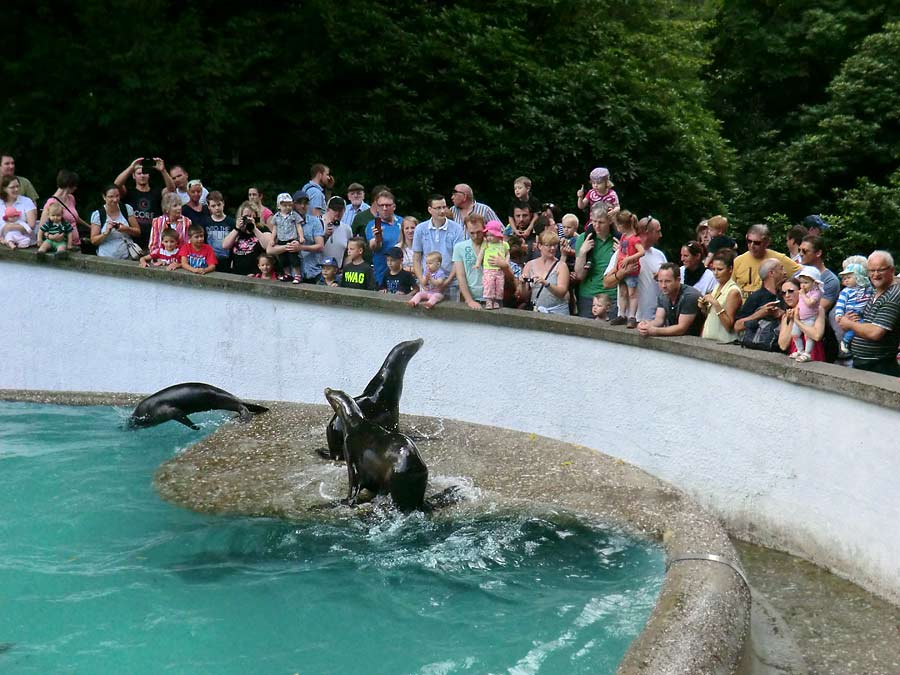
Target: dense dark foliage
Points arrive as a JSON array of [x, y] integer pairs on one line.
[[759, 109]]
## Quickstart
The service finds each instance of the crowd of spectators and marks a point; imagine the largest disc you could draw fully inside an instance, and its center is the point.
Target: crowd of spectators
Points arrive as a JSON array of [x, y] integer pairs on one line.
[[600, 263]]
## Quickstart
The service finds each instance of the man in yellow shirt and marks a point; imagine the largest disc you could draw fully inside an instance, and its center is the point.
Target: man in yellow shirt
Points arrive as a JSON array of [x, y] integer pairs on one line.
[[746, 265]]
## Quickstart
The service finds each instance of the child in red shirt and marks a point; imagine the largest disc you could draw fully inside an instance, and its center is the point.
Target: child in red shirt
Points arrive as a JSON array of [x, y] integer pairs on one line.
[[196, 255], [168, 255]]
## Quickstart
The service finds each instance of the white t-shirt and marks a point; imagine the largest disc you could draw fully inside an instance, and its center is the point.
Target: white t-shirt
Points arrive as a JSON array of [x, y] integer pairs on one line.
[[336, 244], [648, 289], [705, 284], [23, 205]]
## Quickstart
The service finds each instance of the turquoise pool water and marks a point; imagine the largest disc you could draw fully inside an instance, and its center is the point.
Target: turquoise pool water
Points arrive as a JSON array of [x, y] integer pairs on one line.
[[98, 575]]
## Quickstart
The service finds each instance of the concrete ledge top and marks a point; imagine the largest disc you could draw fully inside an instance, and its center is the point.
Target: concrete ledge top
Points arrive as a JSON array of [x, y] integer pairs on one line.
[[869, 387]]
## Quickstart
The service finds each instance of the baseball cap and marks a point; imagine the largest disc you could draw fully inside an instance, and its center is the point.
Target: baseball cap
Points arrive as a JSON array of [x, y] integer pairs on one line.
[[300, 196], [11, 212], [395, 252], [329, 262], [284, 197], [816, 220]]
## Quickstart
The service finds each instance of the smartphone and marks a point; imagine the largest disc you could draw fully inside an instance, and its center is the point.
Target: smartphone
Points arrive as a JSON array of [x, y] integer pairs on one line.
[[147, 164]]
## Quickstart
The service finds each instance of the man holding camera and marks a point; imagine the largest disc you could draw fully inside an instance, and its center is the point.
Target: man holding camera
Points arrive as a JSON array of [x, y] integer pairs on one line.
[[337, 232], [145, 200], [763, 303]]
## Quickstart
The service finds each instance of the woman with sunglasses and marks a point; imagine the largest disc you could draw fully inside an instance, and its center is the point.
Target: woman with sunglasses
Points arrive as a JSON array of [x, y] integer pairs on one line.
[[790, 290]]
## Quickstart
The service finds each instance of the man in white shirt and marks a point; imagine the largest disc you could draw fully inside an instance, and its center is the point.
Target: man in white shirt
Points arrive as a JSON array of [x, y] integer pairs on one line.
[[648, 289], [440, 234]]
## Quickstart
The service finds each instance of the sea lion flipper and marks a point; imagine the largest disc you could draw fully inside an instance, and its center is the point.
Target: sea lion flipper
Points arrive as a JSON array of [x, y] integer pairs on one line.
[[186, 421], [255, 409]]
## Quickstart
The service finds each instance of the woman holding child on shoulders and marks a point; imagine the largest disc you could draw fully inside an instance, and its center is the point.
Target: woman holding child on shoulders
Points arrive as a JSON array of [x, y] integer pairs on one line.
[[547, 278], [111, 229]]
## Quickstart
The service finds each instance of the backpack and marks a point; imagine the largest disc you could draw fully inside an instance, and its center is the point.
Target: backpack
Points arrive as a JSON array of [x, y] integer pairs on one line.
[[761, 335]]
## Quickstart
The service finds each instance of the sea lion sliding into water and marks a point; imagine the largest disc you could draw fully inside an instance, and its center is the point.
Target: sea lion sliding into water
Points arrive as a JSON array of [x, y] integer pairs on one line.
[[380, 402], [379, 460], [180, 400]]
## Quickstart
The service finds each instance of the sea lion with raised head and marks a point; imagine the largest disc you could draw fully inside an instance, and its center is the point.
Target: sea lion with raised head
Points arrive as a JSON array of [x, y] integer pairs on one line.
[[180, 400], [378, 459], [380, 402]]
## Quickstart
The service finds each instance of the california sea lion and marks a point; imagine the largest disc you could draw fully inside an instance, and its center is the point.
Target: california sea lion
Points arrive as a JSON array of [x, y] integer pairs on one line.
[[380, 402], [179, 400], [379, 460]]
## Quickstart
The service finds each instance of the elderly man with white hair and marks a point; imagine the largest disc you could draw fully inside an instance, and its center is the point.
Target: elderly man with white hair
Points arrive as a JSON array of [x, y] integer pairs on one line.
[[874, 347], [464, 203]]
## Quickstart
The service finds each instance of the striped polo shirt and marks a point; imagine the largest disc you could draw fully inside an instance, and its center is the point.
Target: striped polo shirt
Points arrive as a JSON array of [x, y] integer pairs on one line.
[[478, 207], [883, 311]]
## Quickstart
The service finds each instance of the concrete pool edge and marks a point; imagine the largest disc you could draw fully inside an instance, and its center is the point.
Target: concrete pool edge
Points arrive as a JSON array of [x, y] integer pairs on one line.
[[700, 623]]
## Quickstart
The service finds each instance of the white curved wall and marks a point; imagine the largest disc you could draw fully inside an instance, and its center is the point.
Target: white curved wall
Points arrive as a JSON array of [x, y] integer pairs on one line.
[[732, 439]]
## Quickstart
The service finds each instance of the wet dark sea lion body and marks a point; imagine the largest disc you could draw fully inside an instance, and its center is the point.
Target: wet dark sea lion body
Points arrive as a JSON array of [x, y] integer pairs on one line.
[[180, 400], [380, 402], [379, 460]]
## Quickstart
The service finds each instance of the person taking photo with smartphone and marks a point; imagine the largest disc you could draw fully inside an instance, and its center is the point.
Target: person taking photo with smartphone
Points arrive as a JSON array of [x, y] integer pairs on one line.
[[145, 200]]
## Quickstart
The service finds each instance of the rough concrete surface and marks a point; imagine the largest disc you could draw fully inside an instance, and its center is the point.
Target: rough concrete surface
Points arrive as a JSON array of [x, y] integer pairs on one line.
[[839, 628]]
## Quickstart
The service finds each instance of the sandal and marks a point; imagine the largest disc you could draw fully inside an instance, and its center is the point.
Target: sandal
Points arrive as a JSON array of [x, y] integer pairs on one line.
[[803, 357]]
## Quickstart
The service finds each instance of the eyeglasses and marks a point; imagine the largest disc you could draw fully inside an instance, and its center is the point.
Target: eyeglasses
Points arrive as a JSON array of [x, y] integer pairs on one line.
[[880, 270], [756, 242], [789, 291], [805, 250]]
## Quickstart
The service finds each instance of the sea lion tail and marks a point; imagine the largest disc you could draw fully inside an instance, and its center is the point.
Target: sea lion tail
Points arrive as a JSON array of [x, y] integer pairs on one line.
[[256, 409]]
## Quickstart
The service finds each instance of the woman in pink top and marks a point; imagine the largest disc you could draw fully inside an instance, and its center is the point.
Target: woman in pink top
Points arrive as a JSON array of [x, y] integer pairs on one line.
[[66, 184]]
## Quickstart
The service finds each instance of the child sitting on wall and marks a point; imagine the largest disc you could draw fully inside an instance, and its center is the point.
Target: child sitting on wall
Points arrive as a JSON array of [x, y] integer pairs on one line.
[[429, 294], [55, 234]]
